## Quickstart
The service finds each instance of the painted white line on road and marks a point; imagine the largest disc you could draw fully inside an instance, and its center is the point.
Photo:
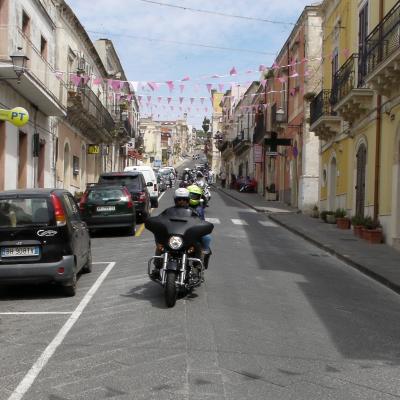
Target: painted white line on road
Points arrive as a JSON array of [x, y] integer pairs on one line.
[[269, 224], [213, 220], [41, 362], [37, 313], [239, 221]]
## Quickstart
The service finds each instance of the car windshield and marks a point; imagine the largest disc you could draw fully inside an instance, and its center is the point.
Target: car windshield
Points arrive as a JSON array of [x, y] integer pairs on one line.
[[107, 195], [15, 212], [132, 182]]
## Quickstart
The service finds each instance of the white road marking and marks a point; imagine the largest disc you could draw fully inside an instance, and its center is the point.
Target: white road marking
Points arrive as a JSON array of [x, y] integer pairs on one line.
[[269, 224], [239, 221], [213, 220], [37, 313], [41, 362]]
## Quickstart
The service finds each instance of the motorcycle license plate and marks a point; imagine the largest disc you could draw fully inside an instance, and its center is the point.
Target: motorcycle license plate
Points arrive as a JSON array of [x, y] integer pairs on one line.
[[30, 251]]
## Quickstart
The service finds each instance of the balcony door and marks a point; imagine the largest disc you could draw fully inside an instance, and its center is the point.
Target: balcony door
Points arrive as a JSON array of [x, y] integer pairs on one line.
[[22, 159], [67, 167], [362, 43], [360, 183], [41, 164]]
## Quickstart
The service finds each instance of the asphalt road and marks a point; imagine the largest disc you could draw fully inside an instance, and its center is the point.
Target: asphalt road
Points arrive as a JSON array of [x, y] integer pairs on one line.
[[277, 318]]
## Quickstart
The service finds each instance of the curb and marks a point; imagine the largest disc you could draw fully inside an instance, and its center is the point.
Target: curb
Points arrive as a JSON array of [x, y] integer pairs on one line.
[[379, 278]]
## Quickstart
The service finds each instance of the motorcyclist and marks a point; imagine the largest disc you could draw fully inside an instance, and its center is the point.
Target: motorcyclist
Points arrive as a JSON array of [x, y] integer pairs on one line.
[[186, 174]]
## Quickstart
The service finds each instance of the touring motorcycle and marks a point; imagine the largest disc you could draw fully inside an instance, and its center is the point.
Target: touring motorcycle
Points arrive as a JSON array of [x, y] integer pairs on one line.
[[179, 259]]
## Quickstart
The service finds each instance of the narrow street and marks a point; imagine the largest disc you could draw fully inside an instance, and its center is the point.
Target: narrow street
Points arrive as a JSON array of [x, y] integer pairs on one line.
[[277, 318]]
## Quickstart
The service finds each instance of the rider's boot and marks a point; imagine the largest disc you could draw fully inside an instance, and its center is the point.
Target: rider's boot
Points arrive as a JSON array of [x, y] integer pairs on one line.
[[207, 255]]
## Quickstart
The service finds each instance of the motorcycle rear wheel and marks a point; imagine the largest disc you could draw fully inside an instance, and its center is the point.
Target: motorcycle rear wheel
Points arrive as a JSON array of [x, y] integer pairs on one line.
[[170, 289]]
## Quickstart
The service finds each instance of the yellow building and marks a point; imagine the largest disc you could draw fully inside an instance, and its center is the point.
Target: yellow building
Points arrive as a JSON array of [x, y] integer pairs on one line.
[[357, 114]]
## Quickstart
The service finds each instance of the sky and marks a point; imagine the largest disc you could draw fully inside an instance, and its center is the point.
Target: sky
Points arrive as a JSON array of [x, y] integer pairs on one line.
[[143, 33]]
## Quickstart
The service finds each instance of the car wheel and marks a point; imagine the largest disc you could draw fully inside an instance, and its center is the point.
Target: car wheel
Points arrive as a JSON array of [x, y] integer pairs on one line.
[[70, 289], [87, 268]]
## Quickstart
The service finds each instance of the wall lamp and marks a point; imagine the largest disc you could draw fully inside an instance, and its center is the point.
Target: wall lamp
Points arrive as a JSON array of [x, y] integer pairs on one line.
[[19, 60]]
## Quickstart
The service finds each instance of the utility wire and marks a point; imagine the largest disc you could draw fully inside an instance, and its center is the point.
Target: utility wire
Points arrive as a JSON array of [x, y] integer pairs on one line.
[[221, 14], [209, 46]]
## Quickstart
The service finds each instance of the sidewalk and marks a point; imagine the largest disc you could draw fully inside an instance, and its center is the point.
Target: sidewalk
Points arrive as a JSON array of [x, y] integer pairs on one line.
[[379, 261]]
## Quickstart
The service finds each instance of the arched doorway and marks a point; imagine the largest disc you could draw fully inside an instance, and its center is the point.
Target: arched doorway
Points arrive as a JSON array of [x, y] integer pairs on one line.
[[332, 185], [67, 167], [361, 156]]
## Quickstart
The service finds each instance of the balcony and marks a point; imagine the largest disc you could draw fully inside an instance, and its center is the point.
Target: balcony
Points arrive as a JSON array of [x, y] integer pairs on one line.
[[123, 127], [323, 120], [227, 151], [86, 111], [39, 84], [349, 99], [242, 142], [383, 54], [259, 129]]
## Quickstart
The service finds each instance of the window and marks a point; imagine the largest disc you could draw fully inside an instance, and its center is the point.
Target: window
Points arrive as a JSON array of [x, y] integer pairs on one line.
[[26, 23], [43, 47]]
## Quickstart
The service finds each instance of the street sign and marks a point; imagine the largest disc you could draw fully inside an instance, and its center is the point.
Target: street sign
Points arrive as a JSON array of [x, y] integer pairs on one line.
[[93, 149], [18, 116]]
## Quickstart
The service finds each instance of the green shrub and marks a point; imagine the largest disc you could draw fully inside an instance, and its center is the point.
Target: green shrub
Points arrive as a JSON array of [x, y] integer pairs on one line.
[[357, 220], [323, 215], [340, 213]]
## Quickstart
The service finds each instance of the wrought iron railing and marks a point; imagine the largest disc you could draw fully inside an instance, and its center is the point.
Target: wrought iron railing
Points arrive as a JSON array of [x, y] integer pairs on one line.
[[345, 79], [93, 106], [321, 105], [384, 40]]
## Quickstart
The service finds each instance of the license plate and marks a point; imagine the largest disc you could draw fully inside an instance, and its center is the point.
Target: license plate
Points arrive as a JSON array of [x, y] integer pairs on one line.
[[19, 251], [106, 208]]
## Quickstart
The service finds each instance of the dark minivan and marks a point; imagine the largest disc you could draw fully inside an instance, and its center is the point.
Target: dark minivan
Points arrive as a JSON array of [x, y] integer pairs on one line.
[[104, 206], [136, 185], [42, 238]]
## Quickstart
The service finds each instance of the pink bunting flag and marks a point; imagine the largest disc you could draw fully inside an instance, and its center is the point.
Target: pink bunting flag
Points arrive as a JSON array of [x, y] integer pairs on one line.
[[181, 100], [306, 72], [221, 87], [159, 98], [275, 65], [115, 85], [215, 76], [170, 85], [75, 79], [85, 79], [209, 86], [292, 91], [186, 78], [281, 79], [233, 71], [249, 71], [97, 81], [191, 100], [294, 75], [202, 100], [304, 60], [129, 97], [151, 85], [265, 106], [169, 99], [263, 82], [181, 87], [149, 99], [261, 68]]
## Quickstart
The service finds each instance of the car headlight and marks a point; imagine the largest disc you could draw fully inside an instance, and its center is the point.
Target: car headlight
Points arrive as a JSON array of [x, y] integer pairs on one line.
[[175, 242]]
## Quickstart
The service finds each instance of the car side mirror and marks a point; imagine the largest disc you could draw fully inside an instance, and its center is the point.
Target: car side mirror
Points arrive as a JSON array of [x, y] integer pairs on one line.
[[149, 183]]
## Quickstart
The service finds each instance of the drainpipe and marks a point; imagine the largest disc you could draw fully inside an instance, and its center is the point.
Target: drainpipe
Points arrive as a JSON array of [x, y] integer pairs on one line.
[[378, 130]]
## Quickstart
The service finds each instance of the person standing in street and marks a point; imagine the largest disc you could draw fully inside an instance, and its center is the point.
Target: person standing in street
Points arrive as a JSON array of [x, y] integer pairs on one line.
[[222, 177]]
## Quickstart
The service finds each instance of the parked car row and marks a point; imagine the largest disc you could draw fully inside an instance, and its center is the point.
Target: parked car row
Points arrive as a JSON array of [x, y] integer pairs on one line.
[[44, 233]]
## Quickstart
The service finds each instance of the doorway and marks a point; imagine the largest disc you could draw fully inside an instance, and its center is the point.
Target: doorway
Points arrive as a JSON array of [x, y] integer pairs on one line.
[[22, 159], [360, 180], [67, 167], [332, 185], [41, 161]]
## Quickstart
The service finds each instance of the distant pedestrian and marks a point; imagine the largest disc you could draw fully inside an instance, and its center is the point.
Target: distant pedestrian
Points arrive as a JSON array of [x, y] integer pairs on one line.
[[222, 177]]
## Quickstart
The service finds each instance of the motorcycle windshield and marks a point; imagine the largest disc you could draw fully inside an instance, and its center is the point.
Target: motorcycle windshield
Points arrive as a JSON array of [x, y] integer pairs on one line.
[[190, 228]]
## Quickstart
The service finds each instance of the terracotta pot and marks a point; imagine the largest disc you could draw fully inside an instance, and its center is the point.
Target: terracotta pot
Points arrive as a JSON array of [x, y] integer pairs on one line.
[[373, 236], [357, 230], [343, 223]]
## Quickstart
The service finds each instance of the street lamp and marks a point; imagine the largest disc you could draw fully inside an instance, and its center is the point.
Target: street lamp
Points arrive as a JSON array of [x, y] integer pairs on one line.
[[19, 60], [280, 115]]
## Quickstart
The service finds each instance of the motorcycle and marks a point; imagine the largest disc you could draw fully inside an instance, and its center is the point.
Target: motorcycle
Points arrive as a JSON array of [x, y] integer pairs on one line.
[[207, 193], [181, 257]]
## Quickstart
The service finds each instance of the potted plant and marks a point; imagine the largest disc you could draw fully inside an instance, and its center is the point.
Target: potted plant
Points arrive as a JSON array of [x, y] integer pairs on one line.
[[358, 223], [315, 212], [330, 217], [342, 221], [372, 231], [323, 215]]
